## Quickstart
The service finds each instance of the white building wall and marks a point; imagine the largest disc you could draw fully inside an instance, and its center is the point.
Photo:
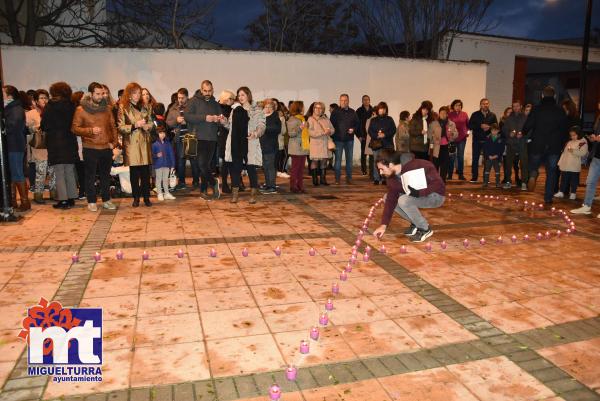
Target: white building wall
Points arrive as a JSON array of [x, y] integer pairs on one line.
[[500, 55], [402, 83]]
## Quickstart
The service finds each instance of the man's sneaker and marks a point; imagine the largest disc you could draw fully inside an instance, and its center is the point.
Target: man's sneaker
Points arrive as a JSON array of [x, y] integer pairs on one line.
[[160, 197], [92, 207], [559, 195], [217, 189], [582, 210], [109, 205], [507, 185], [523, 187], [204, 195], [285, 175], [412, 230], [168, 196], [81, 197], [473, 180], [179, 187], [268, 191], [421, 235], [572, 196]]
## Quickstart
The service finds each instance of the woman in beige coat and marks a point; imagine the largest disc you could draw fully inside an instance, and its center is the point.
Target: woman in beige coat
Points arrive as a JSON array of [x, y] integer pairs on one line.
[[135, 125], [298, 145], [443, 133], [320, 130]]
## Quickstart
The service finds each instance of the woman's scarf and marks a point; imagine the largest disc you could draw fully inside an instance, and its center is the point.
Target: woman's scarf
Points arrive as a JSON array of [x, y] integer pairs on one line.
[[305, 134]]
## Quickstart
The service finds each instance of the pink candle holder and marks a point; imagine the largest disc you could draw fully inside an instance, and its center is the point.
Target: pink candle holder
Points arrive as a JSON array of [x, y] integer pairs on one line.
[[329, 304], [526, 237], [358, 242], [466, 243], [180, 253], [428, 247], [343, 276], [312, 252], [323, 319], [277, 251], [333, 250], [314, 333], [74, 258], [558, 233], [274, 392], [335, 288], [539, 236], [471, 196], [368, 249], [444, 245], [382, 249], [119, 255], [245, 252], [365, 227], [513, 239], [499, 240], [348, 268], [482, 241], [505, 199], [352, 260], [568, 231], [291, 373], [366, 257], [97, 257], [145, 255], [547, 234], [485, 197], [213, 252], [403, 249], [572, 228], [461, 195]]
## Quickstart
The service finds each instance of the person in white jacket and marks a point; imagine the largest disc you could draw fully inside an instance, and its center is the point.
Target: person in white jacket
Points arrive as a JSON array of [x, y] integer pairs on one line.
[[570, 163]]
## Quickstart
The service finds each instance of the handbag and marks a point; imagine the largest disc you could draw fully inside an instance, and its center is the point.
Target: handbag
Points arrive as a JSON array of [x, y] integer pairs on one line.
[[330, 144], [38, 141], [190, 146], [451, 148], [172, 178], [375, 144]]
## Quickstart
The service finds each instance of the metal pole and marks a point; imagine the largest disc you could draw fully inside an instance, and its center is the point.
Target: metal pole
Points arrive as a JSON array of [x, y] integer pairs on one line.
[[584, 59], [6, 214]]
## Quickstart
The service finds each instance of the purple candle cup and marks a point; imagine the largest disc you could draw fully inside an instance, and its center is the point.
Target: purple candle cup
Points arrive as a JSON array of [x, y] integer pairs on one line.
[[466, 243], [539, 236], [329, 304], [213, 252], [482, 241], [403, 249], [444, 245], [312, 252], [180, 253], [314, 333], [333, 250], [277, 251], [366, 257], [245, 252], [274, 392], [145, 255], [343, 276], [323, 319], [97, 257], [428, 247], [74, 258], [348, 268], [382, 249], [119, 255], [335, 288], [291, 373], [304, 347]]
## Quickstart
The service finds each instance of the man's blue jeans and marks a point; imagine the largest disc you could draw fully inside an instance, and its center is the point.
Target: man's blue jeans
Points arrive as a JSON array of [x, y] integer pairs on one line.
[[459, 156], [348, 148], [550, 162], [592, 181]]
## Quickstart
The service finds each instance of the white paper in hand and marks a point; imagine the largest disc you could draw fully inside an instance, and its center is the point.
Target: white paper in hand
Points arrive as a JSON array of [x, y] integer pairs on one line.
[[415, 179]]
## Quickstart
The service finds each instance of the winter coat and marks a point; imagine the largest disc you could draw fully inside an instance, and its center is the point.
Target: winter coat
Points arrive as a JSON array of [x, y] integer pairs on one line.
[[56, 122], [89, 115], [195, 113], [436, 135], [570, 160], [461, 120], [33, 120], [268, 142], [136, 141], [547, 127], [402, 137], [515, 123], [167, 158], [478, 118], [387, 125], [242, 122], [171, 120], [342, 121], [223, 132], [363, 115], [417, 142], [493, 147], [318, 137], [14, 116], [295, 134]]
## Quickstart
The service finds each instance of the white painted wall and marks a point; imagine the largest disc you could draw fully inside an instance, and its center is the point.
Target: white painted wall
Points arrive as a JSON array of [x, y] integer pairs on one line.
[[402, 83], [500, 53]]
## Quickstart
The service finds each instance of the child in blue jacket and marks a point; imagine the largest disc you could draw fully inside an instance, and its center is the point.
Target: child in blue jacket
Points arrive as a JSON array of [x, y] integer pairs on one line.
[[163, 161], [493, 149]]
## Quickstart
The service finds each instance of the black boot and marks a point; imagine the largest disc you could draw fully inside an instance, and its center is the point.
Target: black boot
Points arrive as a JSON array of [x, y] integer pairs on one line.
[[315, 179], [323, 176]]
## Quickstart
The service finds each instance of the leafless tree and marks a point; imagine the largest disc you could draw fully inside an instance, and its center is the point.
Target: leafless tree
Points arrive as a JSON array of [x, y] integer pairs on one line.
[[416, 28], [303, 26]]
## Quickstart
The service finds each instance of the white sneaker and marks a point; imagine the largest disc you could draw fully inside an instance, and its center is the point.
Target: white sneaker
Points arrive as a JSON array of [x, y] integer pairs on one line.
[[285, 175], [168, 196], [109, 205], [572, 196], [160, 197], [582, 210], [279, 174], [92, 207], [559, 195], [523, 187]]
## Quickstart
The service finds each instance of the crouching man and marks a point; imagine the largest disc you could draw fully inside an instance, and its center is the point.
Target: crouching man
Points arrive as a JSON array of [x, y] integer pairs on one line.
[[413, 184]]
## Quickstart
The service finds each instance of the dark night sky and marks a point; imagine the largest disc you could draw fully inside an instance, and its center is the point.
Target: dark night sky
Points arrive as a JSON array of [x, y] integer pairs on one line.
[[534, 19]]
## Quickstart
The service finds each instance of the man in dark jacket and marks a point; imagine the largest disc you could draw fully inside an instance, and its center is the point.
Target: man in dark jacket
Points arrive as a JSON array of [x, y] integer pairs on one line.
[[364, 112], [202, 117], [14, 117], [512, 132], [480, 123], [345, 122], [547, 127]]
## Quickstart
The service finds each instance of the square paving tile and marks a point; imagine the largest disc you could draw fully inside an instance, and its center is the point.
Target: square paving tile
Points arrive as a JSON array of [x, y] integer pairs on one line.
[[291, 316], [558, 309], [367, 390], [377, 338], [170, 329], [434, 330], [278, 294], [355, 310], [331, 347], [404, 305], [512, 317], [233, 323], [225, 298]]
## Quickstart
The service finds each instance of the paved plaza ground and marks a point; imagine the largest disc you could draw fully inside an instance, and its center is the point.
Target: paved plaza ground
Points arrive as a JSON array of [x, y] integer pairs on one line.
[[494, 322]]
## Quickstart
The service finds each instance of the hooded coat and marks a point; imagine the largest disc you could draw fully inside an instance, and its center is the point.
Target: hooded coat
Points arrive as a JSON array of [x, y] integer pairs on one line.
[[60, 141]]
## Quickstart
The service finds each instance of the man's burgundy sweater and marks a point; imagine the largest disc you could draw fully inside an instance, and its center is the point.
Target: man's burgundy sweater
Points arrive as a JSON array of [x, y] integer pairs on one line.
[[394, 184]]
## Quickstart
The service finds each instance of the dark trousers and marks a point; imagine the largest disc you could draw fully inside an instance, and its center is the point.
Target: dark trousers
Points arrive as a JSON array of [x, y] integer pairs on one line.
[[297, 173], [488, 167], [363, 158], [80, 169], [236, 174], [140, 181], [550, 162], [206, 150], [477, 148], [421, 155], [181, 161], [457, 159], [225, 167], [442, 162], [281, 160], [31, 173], [511, 162], [269, 169], [569, 180], [97, 161]]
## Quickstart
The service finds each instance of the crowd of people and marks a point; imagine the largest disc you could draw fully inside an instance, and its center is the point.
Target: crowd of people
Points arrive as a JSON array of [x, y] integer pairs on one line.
[[80, 145]]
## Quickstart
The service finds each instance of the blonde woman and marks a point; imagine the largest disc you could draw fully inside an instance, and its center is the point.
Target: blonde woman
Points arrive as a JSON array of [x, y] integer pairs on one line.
[[320, 130], [298, 146], [135, 124]]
